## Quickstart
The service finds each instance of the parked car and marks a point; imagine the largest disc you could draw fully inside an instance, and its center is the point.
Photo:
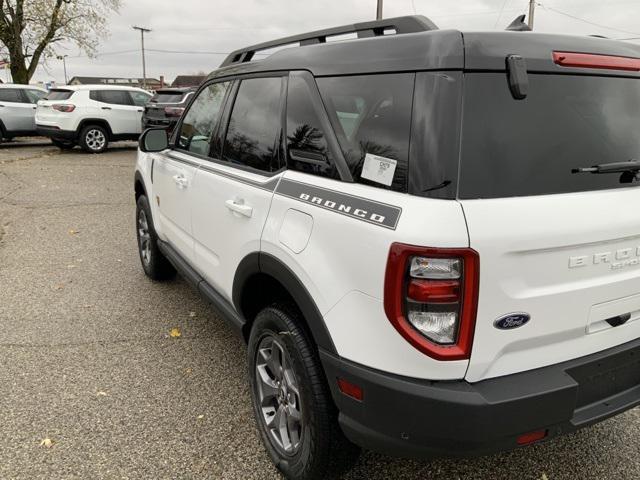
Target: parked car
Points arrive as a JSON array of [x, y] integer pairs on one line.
[[428, 239], [18, 109], [91, 115], [165, 108]]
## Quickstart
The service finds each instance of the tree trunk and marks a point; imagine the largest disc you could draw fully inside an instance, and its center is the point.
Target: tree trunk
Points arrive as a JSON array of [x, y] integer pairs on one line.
[[19, 70]]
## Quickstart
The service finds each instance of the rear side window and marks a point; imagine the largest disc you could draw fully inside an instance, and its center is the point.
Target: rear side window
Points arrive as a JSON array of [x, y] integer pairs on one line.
[[59, 94], [307, 149], [371, 116], [35, 95], [530, 147], [113, 97], [11, 95], [254, 131], [201, 118], [168, 97], [140, 99]]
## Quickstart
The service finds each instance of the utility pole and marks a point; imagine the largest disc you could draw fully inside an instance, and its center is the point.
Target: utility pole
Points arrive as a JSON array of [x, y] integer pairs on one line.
[[144, 65], [379, 10], [64, 63], [532, 11]]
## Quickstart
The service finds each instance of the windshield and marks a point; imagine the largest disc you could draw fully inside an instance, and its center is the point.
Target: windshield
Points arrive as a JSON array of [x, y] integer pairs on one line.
[[530, 147], [168, 97]]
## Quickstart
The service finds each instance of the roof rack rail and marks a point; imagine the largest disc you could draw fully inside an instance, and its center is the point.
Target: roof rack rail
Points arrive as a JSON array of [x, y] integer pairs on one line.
[[401, 25]]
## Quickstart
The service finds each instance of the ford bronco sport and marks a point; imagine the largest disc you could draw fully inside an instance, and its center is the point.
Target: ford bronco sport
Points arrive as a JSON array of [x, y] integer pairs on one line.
[[429, 239]]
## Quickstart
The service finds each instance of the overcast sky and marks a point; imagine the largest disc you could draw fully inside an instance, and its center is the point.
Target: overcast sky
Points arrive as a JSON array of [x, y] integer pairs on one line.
[[224, 25]]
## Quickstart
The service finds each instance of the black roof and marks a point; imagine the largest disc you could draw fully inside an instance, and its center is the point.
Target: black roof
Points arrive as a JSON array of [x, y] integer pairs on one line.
[[176, 89], [428, 49]]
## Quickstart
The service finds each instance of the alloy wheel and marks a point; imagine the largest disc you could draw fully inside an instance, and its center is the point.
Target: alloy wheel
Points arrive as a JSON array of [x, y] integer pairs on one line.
[[144, 237], [95, 139]]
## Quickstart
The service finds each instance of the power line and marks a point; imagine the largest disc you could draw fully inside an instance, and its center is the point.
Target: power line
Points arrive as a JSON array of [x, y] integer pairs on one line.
[[587, 21], [504, 5]]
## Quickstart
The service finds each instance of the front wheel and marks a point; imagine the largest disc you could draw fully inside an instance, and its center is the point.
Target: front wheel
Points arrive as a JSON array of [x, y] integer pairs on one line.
[[154, 263], [296, 416], [94, 139]]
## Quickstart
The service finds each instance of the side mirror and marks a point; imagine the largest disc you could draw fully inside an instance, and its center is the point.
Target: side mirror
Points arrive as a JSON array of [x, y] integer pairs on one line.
[[154, 140]]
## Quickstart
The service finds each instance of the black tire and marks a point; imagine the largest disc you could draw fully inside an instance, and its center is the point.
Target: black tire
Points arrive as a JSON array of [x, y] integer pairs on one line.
[[94, 139], [154, 263], [63, 144], [322, 450]]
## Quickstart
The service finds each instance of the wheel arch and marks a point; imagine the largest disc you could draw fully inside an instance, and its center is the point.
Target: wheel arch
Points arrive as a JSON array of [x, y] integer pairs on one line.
[[139, 186], [94, 121], [261, 280]]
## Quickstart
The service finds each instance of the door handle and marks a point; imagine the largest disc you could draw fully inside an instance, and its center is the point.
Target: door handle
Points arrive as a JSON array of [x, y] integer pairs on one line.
[[238, 206], [106, 108], [181, 181]]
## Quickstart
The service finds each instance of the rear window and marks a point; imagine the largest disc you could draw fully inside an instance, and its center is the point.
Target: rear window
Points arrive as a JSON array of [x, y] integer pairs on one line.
[[168, 97], [529, 147], [371, 115], [59, 94]]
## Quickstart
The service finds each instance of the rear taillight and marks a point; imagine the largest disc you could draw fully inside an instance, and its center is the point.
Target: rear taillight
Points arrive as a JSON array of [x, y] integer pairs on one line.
[[173, 111], [64, 108], [591, 60], [431, 297]]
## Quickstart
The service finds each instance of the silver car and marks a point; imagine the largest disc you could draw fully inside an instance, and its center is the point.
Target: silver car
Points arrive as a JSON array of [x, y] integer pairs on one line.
[[18, 109]]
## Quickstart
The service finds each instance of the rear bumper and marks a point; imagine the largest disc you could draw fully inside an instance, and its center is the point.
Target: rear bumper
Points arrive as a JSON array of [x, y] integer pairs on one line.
[[417, 418], [56, 133]]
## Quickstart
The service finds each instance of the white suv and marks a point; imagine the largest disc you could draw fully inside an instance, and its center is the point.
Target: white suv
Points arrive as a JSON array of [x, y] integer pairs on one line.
[[429, 240], [18, 109], [91, 115]]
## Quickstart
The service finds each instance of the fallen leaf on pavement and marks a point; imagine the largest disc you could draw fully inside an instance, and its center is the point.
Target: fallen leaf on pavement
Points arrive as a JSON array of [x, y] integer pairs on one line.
[[544, 476], [47, 442], [192, 314], [175, 333], [200, 417], [73, 232], [101, 394]]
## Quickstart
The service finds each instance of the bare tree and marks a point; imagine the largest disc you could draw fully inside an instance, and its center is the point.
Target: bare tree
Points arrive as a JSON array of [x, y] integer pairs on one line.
[[31, 29]]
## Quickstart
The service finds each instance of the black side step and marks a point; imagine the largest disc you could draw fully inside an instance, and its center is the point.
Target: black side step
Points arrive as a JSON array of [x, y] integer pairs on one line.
[[222, 306]]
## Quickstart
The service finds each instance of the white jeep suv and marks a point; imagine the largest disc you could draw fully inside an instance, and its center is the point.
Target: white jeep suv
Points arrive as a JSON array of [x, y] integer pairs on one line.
[[429, 240], [18, 109], [91, 115]]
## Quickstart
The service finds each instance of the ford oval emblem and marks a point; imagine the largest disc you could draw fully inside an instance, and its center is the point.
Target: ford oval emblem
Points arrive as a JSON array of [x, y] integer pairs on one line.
[[511, 321]]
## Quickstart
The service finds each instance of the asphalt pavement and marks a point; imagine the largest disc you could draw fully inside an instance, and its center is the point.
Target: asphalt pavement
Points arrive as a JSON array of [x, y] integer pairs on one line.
[[94, 386]]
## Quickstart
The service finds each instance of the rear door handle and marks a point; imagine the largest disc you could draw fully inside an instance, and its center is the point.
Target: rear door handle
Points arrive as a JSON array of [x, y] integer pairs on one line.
[[238, 206], [106, 108], [180, 181]]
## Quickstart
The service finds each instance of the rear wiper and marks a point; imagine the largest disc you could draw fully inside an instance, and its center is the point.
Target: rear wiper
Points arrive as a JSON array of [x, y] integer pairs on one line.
[[632, 166]]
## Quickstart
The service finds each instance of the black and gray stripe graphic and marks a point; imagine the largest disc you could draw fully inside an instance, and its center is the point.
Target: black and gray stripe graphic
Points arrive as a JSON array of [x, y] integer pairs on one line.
[[352, 206], [359, 208]]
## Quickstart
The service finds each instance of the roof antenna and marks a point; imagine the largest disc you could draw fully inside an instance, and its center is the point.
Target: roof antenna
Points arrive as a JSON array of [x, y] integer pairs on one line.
[[519, 25]]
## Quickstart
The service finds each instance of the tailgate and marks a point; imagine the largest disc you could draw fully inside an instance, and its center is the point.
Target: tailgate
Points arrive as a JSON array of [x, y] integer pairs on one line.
[[558, 246], [571, 262]]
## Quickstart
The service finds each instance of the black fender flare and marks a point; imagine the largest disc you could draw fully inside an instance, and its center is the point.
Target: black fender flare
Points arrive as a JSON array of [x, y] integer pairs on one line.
[[94, 121], [137, 178], [3, 130], [261, 262]]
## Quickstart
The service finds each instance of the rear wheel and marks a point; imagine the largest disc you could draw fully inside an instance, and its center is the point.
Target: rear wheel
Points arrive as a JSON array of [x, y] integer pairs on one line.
[[296, 416], [154, 263], [94, 139], [63, 144]]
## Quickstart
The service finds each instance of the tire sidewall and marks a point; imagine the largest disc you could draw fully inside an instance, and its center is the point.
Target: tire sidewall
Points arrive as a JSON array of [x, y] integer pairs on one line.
[[83, 138], [143, 204], [270, 322]]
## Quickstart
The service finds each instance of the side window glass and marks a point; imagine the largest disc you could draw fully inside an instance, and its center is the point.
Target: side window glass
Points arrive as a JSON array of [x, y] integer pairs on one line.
[[10, 95], [201, 118], [371, 116], [140, 99], [254, 131], [307, 149], [113, 97], [34, 95]]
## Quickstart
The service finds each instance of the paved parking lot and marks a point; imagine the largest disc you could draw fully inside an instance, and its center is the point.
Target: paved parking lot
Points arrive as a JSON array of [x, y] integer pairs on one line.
[[86, 359]]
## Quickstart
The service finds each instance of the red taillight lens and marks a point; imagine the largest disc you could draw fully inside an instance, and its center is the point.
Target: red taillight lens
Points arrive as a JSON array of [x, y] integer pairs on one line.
[[64, 108], [173, 111], [431, 297], [590, 60]]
